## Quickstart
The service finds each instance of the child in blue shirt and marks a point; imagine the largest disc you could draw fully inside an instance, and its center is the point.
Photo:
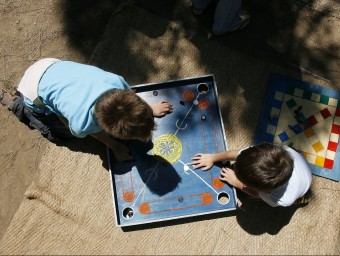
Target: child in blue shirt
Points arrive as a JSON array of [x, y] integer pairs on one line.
[[63, 99]]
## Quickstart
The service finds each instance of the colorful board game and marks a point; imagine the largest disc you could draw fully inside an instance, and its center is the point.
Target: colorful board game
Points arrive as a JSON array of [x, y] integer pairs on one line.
[[160, 184], [305, 117]]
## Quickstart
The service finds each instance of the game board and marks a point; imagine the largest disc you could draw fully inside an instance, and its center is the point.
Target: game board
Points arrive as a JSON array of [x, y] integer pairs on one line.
[[160, 184], [305, 117]]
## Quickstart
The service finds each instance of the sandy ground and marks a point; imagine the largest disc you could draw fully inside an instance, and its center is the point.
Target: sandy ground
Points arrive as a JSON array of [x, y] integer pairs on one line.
[[31, 30], [34, 29]]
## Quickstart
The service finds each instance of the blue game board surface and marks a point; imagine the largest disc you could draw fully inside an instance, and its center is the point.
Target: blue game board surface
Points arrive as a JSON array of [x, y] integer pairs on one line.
[[305, 117], [159, 184]]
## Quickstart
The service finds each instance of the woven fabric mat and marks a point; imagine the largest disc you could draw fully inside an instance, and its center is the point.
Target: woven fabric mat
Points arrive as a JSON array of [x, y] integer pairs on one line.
[[68, 208]]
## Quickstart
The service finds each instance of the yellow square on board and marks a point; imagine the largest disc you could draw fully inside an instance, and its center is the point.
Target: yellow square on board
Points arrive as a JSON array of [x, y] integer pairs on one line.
[[319, 161], [309, 132], [318, 146]]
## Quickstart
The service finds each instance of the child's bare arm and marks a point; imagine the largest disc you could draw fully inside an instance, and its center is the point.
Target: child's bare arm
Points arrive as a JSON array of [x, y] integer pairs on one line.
[[208, 160], [120, 151]]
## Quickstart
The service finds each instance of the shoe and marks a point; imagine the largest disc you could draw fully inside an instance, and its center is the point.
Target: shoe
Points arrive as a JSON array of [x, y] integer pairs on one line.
[[196, 12], [243, 21], [7, 100], [305, 199]]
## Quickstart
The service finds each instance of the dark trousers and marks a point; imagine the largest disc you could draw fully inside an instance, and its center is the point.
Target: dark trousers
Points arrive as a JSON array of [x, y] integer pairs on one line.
[[50, 126]]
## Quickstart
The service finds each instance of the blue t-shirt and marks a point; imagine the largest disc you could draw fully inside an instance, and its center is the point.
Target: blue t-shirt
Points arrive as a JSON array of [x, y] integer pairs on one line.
[[70, 89]]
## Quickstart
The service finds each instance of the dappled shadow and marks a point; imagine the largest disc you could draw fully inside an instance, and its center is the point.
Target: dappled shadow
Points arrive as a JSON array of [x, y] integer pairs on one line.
[[289, 33], [131, 43], [85, 21], [142, 51]]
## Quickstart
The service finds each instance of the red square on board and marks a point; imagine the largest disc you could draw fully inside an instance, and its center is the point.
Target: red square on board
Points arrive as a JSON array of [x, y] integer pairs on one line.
[[312, 121], [337, 112], [325, 113], [328, 164], [332, 146], [336, 129]]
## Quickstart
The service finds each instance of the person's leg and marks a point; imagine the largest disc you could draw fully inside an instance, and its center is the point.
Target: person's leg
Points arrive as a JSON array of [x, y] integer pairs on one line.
[[198, 6], [228, 17], [57, 127], [49, 126]]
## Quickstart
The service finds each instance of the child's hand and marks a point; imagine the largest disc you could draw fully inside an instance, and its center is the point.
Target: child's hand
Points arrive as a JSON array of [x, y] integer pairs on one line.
[[202, 160], [161, 108], [228, 175]]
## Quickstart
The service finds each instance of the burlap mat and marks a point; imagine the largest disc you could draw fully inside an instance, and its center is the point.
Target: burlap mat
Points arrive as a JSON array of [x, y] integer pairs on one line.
[[68, 209]]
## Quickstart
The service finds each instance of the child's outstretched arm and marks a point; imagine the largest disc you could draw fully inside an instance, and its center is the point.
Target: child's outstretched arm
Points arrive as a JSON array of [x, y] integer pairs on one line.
[[208, 160], [120, 151], [161, 108]]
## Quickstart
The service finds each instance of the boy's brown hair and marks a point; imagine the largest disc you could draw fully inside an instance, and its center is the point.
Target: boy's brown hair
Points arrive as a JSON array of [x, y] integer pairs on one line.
[[124, 115], [264, 167]]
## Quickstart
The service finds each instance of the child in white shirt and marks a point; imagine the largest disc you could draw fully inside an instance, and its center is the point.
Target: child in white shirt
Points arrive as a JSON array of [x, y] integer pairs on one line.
[[275, 173]]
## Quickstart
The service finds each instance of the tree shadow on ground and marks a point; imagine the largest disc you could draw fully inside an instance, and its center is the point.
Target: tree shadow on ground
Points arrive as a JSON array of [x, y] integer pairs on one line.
[[271, 34], [283, 31], [270, 37], [85, 22]]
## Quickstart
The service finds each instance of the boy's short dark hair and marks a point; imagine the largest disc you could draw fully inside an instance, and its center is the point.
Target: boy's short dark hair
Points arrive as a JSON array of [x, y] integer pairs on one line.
[[124, 115], [264, 167]]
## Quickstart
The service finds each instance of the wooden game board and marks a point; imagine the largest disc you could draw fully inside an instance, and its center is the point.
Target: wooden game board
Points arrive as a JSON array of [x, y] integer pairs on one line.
[[160, 184], [306, 117]]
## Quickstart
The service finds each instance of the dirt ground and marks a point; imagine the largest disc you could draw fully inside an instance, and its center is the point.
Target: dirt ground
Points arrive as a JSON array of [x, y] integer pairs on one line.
[[34, 29], [31, 30]]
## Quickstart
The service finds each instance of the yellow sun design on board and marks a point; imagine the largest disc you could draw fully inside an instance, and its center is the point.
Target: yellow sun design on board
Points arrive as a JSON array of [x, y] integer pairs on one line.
[[167, 146]]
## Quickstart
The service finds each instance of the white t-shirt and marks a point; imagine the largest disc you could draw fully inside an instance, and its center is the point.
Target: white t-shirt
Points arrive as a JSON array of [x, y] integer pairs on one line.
[[295, 187]]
